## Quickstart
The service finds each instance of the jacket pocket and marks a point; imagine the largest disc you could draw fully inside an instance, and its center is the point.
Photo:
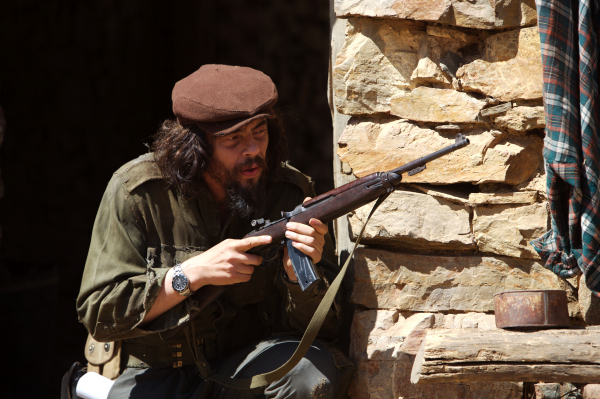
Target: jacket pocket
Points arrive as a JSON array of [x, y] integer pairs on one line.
[[165, 255]]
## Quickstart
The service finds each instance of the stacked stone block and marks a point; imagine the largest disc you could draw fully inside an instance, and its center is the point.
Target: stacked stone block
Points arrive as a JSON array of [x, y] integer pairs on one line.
[[411, 74]]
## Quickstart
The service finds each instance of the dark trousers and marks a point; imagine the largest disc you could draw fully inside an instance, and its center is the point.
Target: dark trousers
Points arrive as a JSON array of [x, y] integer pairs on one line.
[[318, 374]]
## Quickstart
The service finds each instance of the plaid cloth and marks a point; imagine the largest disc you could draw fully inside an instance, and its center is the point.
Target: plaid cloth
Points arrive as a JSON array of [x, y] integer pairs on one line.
[[569, 33]]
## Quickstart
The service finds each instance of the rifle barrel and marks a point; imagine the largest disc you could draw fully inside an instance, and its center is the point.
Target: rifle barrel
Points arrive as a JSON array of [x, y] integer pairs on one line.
[[461, 141]]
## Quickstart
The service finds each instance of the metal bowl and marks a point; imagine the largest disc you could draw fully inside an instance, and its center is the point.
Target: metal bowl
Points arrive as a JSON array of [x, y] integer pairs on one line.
[[534, 309]]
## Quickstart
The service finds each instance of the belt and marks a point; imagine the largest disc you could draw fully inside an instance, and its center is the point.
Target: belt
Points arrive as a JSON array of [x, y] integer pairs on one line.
[[146, 356]]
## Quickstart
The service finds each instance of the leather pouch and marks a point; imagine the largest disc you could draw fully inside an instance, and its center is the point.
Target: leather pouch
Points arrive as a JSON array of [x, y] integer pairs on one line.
[[103, 358]]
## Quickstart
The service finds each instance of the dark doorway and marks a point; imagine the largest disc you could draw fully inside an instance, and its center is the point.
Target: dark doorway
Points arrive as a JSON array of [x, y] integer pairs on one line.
[[84, 85]]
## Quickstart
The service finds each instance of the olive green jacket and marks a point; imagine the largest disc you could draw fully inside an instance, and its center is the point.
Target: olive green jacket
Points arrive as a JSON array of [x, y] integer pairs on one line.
[[143, 228]]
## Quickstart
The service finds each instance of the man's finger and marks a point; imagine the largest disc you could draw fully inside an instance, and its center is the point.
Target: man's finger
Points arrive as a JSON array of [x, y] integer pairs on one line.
[[304, 239], [250, 242], [249, 259], [305, 230], [300, 228], [307, 249], [319, 226], [244, 269], [314, 253]]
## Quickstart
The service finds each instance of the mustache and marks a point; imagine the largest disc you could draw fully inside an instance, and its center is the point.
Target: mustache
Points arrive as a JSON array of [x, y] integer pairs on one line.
[[250, 162]]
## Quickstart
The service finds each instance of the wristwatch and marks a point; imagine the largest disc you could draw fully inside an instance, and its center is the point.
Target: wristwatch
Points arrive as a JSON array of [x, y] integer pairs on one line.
[[181, 283]]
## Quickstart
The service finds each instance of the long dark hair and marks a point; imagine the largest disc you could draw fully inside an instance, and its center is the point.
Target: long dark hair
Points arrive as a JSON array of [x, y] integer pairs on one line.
[[183, 153]]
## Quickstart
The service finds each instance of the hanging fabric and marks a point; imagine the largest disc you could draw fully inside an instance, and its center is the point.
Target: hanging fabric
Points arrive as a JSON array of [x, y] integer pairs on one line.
[[569, 33]]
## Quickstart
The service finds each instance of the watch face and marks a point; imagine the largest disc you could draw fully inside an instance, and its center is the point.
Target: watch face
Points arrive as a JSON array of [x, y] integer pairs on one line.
[[180, 282]]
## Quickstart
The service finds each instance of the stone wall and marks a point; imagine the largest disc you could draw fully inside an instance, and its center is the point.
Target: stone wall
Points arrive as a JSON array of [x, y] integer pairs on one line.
[[409, 76]]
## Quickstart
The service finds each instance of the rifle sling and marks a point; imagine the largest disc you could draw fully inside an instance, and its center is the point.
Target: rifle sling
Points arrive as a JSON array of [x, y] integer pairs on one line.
[[307, 339]]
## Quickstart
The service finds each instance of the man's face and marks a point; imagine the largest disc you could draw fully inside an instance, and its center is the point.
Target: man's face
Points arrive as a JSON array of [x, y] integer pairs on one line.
[[242, 153], [238, 166]]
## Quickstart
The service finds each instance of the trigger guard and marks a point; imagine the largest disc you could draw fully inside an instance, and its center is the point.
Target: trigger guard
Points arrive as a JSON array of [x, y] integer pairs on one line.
[[270, 254]]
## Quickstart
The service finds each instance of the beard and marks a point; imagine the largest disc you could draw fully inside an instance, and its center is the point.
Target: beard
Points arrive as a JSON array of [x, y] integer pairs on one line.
[[247, 201]]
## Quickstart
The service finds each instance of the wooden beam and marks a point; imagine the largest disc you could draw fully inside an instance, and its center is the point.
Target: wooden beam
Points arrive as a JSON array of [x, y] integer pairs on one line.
[[571, 355]]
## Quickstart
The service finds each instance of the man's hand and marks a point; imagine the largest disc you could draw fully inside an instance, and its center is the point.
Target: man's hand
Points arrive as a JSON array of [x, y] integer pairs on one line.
[[309, 239], [224, 264]]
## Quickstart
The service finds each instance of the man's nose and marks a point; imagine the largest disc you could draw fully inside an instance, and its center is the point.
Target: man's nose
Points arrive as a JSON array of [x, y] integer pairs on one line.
[[251, 148]]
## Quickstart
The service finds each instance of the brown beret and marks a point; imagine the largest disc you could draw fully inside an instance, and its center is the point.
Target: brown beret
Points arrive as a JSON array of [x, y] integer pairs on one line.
[[223, 98]]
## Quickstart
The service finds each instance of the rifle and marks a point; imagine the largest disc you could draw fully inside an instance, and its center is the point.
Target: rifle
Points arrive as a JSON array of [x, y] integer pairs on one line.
[[325, 207]]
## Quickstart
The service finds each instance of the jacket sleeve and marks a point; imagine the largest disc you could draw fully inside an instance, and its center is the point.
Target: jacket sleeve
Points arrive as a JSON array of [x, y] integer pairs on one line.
[[119, 284], [301, 306]]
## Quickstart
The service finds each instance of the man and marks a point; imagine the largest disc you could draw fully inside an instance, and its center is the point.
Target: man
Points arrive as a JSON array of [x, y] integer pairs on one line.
[[172, 222]]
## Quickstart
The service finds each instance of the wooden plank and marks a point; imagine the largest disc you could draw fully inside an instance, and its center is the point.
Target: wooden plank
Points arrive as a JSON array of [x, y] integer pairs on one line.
[[550, 356]]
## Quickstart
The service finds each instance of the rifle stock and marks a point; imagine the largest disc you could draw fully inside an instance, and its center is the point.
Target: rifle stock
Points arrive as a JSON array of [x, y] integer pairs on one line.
[[326, 208]]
